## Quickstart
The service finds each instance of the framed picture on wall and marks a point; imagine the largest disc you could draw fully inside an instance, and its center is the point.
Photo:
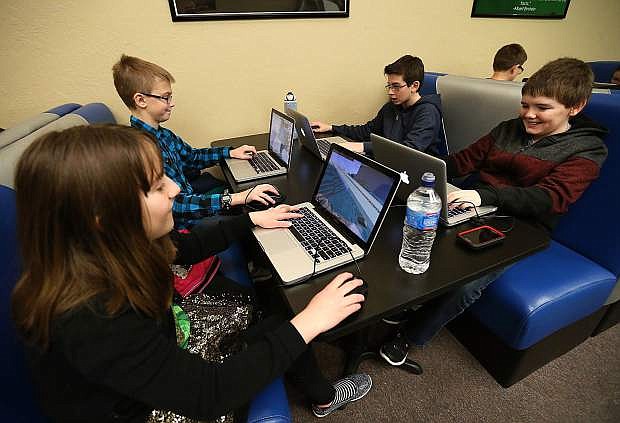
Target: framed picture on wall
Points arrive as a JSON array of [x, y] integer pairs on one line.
[[198, 10], [539, 9]]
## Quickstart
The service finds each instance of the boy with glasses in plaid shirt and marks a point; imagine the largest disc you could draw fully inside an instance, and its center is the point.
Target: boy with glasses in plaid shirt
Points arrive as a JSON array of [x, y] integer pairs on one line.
[[145, 88]]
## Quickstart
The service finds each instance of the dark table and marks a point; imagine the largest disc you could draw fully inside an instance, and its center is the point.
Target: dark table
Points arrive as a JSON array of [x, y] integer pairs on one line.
[[390, 289]]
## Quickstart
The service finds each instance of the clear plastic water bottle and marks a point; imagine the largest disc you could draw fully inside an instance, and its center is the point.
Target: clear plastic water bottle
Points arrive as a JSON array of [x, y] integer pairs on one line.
[[290, 102], [423, 207]]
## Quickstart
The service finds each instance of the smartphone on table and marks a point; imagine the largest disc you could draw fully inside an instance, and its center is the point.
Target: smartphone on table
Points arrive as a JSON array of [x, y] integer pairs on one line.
[[481, 237]]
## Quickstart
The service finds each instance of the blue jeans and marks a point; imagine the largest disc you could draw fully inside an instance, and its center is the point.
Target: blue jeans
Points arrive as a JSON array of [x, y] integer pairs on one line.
[[428, 320]]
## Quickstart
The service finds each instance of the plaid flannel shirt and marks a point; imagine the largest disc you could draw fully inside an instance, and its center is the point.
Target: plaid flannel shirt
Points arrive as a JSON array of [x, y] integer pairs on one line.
[[179, 157]]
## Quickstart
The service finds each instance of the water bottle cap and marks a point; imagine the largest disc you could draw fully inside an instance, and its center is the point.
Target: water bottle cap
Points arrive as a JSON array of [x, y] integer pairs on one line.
[[428, 179], [290, 96]]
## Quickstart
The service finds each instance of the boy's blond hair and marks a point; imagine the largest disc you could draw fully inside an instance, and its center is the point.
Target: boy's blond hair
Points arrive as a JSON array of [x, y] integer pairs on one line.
[[133, 75], [567, 80]]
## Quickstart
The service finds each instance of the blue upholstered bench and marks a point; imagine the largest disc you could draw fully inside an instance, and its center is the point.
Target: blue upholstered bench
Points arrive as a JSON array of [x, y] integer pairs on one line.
[[429, 86], [603, 69], [548, 303]]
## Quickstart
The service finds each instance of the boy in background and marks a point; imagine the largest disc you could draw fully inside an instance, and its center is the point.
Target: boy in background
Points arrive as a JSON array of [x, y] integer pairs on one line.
[[508, 62], [408, 118], [532, 167], [615, 77], [146, 90]]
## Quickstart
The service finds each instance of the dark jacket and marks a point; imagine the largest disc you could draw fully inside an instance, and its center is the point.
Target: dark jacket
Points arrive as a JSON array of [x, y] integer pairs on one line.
[[537, 181], [417, 126], [100, 369]]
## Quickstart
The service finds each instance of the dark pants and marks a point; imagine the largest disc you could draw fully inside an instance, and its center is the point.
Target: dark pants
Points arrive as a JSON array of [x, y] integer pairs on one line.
[[207, 184], [304, 371], [427, 321]]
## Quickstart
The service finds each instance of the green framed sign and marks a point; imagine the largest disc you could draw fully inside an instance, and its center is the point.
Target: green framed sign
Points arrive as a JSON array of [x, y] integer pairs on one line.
[[539, 9]]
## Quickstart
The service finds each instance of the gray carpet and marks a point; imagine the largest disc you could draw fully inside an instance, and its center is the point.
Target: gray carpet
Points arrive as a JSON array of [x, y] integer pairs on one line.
[[581, 386]]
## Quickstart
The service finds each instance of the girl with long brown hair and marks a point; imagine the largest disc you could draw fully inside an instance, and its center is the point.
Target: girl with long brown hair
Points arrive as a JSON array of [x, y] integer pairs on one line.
[[95, 306]]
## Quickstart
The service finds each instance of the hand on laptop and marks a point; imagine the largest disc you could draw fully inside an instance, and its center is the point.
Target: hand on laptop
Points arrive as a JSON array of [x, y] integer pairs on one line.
[[276, 217], [329, 307], [464, 199], [320, 126], [245, 152], [358, 147], [258, 193]]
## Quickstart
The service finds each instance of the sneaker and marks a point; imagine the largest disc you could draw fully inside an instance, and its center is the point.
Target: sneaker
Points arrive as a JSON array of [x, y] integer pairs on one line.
[[396, 319], [349, 389], [395, 351], [403, 316]]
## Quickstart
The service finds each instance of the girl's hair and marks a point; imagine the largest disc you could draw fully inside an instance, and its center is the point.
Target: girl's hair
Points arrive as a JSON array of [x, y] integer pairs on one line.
[[81, 229]]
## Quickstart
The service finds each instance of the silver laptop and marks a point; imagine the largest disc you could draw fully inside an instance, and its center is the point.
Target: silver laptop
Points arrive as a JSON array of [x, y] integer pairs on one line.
[[341, 221], [406, 159], [273, 161], [318, 146]]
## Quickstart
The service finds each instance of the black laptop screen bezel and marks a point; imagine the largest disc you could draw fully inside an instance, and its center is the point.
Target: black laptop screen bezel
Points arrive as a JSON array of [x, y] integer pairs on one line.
[[334, 221], [302, 125], [272, 153]]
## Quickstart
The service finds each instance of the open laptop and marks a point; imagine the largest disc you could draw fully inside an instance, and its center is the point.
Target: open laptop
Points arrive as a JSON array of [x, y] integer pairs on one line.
[[318, 146], [402, 158], [341, 221], [273, 161]]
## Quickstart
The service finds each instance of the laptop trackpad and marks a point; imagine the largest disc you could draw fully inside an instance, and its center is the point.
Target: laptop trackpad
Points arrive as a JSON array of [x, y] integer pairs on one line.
[[285, 253], [278, 240]]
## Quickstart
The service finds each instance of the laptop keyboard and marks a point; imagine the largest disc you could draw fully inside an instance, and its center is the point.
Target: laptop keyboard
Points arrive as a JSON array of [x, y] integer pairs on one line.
[[262, 162], [458, 211], [313, 234], [323, 146]]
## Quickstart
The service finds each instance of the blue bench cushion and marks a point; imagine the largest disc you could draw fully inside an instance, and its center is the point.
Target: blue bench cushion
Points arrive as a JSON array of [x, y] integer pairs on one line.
[[542, 294], [64, 109], [585, 227], [429, 86], [603, 69], [95, 113], [270, 405]]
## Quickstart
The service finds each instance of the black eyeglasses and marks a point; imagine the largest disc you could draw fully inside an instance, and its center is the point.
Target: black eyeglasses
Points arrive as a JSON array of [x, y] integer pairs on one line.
[[166, 98], [520, 67], [394, 87]]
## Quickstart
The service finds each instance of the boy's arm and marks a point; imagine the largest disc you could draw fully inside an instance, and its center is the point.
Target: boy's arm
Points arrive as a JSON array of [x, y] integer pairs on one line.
[[196, 206], [199, 158], [552, 194], [469, 159], [425, 129], [361, 132]]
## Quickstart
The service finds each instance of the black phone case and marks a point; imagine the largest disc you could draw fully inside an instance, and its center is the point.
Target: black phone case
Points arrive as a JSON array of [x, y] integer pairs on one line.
[[477, 246]]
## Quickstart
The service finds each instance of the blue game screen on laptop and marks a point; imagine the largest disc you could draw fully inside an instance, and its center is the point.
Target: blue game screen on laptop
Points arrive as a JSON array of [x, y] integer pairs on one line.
[[353, 193]]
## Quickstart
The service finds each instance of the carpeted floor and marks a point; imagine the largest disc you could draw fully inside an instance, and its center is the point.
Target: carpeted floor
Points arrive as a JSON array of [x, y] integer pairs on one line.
[[581, 386]]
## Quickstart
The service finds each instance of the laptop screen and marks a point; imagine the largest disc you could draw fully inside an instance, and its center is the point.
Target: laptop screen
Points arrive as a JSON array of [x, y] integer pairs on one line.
[[281, 135], [356, 191]]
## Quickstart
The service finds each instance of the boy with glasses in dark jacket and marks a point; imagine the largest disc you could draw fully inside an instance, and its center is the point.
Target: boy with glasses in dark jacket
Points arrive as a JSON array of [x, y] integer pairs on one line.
[[408, 118]]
